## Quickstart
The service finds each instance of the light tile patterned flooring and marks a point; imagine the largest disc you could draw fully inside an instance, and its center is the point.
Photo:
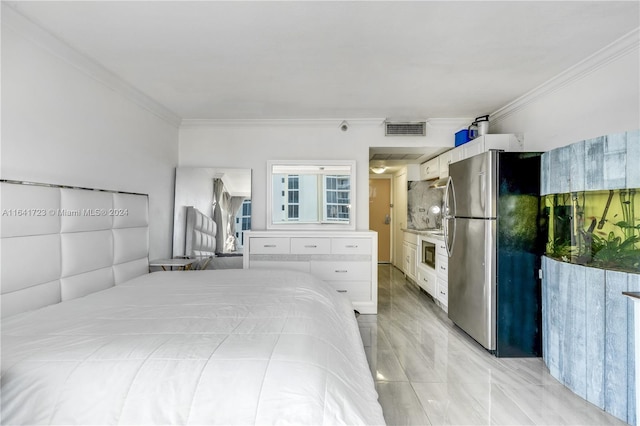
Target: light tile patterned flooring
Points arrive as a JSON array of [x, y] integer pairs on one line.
[[428, 371]]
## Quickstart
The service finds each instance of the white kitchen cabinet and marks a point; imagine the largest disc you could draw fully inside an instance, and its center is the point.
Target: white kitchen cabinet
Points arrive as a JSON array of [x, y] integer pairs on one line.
[[456, 154], [442, 273], [447, 158], [473, 147], [444, 160], [348, 261], [505, 142], [413, 172], [409, 252], [427, 280], [443, 294], [410, 255], [430, 169]]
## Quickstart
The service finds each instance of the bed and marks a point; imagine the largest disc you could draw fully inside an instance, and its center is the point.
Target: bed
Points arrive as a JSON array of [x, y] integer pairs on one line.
[[190, 347], [200, 243]]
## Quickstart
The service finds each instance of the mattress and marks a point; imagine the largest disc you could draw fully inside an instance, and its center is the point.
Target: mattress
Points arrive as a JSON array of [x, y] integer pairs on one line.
[[192, 347]]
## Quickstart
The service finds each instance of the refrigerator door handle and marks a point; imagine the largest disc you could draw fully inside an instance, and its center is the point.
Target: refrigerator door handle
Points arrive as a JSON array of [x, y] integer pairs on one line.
[[482, 180], [449, 246], [449, 215], [449, 195]]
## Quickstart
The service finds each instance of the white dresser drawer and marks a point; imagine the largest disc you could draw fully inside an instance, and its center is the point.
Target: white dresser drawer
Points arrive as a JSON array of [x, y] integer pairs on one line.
[[291, 266], [342, 271], [442, 266], [269, 246], [357, 291], [310, 245], [351, 246]]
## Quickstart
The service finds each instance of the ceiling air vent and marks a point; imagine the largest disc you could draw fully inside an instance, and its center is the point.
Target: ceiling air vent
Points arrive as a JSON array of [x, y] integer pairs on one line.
[[413, 128]]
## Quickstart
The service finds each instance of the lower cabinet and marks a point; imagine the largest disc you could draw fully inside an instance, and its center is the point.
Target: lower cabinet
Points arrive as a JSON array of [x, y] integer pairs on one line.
[[347, 261], [410, 255], [427, 280], [442, 272]]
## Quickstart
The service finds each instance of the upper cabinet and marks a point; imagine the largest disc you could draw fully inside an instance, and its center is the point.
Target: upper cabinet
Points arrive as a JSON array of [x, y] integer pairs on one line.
[[439, 167], [413, 172], [430, 169], [506, 142], [443, 164], [447, 158]]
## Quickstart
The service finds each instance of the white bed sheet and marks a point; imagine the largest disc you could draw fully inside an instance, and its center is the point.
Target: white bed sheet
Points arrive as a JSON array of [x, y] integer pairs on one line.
[[194, 347]]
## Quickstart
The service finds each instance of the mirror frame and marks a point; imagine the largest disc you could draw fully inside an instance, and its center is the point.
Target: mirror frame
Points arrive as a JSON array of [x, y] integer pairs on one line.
[[347, 226]]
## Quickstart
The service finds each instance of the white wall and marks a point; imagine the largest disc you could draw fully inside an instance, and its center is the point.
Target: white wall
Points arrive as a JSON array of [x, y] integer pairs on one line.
[[61, 126], [605, 100], [250, 143]]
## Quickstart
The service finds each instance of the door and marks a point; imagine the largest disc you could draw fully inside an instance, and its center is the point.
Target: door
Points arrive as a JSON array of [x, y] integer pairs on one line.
[[473, 182], [380, 216], [472, 280]]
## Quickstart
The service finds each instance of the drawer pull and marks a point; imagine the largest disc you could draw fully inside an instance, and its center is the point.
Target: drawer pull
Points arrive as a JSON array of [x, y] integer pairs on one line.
[[425, 280], [269, 246], [341, 271], [341, 291], [351, 246], [443, 268], [443, 293], [310, 246]]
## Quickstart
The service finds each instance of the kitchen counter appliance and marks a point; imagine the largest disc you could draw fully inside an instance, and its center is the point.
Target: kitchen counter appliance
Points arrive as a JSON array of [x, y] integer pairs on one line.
[[479, 127], [492, 235], [428, 254]]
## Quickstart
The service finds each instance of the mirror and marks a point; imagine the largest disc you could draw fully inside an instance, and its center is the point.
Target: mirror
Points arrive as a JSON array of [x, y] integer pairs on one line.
[[209, 189], [311, 194]]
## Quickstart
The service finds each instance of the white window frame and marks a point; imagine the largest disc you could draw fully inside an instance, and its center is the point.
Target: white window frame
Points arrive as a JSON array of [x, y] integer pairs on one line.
[[320, 167]]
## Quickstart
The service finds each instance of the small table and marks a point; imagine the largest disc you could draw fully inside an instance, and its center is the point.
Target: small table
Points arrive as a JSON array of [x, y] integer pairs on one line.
[[181, 264]]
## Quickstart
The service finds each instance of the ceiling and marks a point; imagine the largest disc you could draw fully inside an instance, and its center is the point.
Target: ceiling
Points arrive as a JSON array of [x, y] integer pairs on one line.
[[334, 59]]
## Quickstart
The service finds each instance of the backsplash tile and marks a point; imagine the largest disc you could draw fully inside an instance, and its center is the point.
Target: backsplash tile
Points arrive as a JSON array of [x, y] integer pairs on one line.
[[420, 200]]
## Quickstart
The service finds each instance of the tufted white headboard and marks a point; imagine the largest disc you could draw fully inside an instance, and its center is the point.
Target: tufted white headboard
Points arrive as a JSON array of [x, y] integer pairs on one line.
[[60, 243], [200, 238]]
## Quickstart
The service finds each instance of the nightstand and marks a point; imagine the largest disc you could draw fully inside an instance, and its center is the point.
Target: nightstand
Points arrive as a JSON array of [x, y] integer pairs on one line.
[[180, 264]]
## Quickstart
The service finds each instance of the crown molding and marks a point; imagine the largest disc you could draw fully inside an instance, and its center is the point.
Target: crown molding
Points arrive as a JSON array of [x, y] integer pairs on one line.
[[434, 123], [21, 25], [449, 123], [258, 122], [625, 45]]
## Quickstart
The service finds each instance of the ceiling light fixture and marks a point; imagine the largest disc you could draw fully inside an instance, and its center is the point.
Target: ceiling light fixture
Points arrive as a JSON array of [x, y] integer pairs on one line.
[[378, 169]]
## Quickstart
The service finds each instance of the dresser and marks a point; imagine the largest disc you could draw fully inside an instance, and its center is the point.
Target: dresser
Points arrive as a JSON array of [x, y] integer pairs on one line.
[[348, 261]]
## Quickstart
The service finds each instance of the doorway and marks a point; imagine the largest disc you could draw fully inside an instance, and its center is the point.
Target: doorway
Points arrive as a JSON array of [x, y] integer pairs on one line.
[[380, 214]]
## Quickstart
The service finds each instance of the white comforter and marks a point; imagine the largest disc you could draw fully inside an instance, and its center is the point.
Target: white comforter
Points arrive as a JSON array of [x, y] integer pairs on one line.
[[195, 347]]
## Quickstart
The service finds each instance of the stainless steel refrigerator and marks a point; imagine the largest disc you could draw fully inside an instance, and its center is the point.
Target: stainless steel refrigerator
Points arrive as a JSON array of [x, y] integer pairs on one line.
[[493, 232]]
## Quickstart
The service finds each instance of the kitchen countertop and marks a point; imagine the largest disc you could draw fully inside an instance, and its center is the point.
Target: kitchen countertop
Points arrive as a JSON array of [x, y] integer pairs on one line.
[[435, 233]]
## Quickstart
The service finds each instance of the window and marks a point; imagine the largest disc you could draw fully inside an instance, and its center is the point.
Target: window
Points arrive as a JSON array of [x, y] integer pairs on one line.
[[311, 195], [243, 221], [293, 197], [336, 201]]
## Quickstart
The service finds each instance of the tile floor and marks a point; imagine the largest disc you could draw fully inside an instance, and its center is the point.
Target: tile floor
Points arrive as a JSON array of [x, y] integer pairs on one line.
[[427, 371]]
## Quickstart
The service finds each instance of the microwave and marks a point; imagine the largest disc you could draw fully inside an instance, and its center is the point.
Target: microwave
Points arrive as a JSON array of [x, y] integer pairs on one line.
[[428, 254]]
